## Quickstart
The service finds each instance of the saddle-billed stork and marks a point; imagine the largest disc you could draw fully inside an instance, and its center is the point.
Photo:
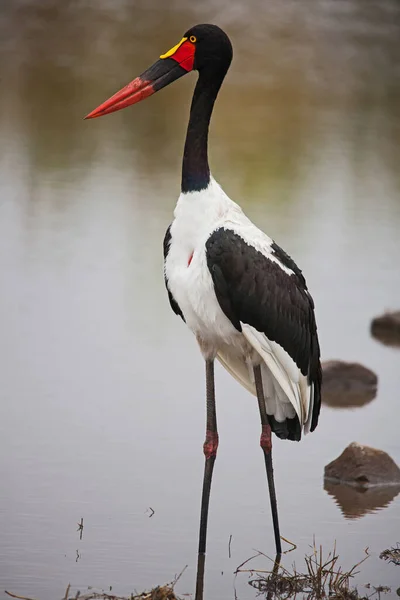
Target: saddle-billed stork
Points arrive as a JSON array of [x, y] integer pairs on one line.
[[243, 297]]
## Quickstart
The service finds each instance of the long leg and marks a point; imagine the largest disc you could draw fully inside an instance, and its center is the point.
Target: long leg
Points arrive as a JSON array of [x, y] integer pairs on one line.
[[210, 452], [266, 445]]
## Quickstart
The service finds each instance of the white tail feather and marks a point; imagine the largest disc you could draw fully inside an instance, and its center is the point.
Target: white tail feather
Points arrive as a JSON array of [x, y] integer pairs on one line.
[[262, 345], [286, 390]]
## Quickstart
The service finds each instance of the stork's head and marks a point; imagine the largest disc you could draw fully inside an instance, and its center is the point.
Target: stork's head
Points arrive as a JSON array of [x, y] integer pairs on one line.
[[205, 48]]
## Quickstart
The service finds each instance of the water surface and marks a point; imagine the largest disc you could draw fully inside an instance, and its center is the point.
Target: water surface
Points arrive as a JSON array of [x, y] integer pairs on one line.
[[102, 387]]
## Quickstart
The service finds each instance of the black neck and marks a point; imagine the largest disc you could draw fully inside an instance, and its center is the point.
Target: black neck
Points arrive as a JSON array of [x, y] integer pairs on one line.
[[195, 169]]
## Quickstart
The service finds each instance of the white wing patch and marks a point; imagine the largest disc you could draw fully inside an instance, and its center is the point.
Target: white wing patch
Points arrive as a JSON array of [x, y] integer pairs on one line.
[[238, 368], [286, 390]]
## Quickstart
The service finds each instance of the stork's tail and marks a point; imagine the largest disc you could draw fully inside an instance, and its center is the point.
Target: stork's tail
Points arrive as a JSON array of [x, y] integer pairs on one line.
[[288, 396]]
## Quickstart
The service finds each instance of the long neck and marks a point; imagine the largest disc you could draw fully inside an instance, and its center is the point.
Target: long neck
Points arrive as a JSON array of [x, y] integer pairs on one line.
[[195, 169]]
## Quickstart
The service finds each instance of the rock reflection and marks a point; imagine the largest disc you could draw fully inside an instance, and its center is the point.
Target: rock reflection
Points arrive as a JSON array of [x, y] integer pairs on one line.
[[357, 501], [347, 385], [386, 328]]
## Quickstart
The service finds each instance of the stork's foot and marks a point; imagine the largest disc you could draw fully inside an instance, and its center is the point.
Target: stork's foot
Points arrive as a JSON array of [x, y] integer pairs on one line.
[[211, 444], [265, 439]]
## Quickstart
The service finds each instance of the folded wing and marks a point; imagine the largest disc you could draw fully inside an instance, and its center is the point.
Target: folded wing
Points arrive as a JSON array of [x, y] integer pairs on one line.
[[264, 294]]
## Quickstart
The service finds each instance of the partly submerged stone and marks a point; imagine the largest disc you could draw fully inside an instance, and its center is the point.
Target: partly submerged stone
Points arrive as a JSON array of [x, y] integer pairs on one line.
[[363, 466], [386, 328], [347, 385]]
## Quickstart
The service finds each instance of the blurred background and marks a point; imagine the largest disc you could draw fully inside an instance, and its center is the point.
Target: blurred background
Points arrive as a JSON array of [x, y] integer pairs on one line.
[[102, 400]]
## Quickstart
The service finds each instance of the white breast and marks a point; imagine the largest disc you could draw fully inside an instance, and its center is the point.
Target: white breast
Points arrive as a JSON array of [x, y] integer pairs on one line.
[[197, 215]]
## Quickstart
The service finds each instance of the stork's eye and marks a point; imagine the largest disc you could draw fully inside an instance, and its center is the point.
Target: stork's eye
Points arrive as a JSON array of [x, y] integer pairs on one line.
[[193, 39]]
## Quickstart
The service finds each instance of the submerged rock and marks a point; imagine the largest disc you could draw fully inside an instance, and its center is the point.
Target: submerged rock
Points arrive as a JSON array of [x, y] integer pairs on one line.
[[363, 466], [386, 328], [356, 501], [347, 385]]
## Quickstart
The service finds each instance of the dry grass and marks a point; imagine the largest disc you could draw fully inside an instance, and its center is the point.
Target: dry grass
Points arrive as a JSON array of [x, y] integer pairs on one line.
[[392, 555], [159, 593], [322, 578], [165, 592]]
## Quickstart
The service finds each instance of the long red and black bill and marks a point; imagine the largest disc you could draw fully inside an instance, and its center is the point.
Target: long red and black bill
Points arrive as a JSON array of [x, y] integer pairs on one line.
[[176, 63]]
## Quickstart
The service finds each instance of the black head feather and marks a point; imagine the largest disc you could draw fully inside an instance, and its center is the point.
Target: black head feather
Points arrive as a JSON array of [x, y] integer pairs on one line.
[[213, 47]]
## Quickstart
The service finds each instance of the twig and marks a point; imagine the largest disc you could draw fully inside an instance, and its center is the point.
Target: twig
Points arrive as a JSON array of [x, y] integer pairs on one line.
[[177, 578], [80, 528], [352, 572], [67, 592], [229, 546], [289, 542], [16, 596], [245, 562], [256, 571], [152, 512], [272, 560]]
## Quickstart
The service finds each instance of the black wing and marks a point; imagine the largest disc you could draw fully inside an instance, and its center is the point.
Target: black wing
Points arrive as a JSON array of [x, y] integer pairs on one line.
[[172, 301], [253, 289]]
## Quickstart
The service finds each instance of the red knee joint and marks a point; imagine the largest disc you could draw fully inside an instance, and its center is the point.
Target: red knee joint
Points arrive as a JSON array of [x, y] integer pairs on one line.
[[211, 444], [265, 439]]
